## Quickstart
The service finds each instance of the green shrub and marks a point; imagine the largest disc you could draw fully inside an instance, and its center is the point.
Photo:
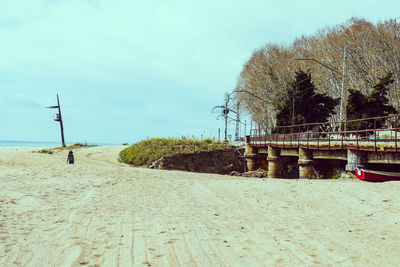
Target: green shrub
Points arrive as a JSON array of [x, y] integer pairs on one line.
[[147, 151], [45, 151]]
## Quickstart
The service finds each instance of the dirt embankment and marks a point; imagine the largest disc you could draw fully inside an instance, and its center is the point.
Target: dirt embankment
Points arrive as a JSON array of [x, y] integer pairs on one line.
[[219, 161]]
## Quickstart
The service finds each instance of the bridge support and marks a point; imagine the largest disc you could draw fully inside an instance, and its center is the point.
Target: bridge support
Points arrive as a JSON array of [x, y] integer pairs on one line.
[[252, 162], [274, 163], [305, 163], [251, 159], [355, 158]]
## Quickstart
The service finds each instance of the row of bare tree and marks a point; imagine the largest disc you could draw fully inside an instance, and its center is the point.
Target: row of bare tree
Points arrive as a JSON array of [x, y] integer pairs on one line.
[[352, 55]]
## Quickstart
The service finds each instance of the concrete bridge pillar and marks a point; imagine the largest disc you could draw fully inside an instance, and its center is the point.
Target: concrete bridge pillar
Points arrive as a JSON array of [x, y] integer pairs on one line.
[[251, 158], [355, 158], [274, 163], [305, 163], [251, 162]]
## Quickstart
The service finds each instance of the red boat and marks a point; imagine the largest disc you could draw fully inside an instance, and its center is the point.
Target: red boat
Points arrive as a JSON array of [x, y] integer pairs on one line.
[[377, 176]]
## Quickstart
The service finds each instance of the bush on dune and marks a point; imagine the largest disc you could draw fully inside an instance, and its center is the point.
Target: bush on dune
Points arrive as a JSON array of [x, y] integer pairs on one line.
[[147, 151]]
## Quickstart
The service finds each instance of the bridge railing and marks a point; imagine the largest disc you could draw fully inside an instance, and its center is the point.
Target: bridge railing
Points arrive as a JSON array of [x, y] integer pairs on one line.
[[363, 134]]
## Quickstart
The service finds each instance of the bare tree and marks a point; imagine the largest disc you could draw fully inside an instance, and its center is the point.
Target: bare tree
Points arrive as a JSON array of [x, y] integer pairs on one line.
[[363, 50]]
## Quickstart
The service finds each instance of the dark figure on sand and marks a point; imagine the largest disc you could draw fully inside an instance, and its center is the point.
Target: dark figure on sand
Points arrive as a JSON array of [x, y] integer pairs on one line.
[[70, 159]]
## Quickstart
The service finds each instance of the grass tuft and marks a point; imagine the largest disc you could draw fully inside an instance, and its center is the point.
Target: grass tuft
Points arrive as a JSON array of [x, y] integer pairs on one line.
[[77, 145], [45, 151], [60, 148]]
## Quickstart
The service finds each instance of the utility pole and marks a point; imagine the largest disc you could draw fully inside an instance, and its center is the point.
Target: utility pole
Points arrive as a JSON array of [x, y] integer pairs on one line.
[[294, 96], [265, 111], [59, 118], [293, 109], [237, 121], [342, 88], [225, 112]]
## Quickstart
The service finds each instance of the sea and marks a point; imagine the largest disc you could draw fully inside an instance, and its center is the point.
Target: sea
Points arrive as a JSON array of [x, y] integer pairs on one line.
[[12, 143]]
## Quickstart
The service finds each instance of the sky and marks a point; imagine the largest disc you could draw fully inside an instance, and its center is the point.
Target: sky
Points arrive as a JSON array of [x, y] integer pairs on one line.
[[127, 70]]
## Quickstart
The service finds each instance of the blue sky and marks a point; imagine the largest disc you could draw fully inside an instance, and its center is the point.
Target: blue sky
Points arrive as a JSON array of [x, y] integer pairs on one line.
[[126, 70]]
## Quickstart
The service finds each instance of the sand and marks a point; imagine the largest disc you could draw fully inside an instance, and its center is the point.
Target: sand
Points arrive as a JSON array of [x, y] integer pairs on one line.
[[99, 212]]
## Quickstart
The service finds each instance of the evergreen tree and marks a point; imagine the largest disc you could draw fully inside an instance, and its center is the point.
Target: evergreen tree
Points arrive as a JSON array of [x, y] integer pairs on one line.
[[374, 105], [304, 105], [356, 106], [378, 103]]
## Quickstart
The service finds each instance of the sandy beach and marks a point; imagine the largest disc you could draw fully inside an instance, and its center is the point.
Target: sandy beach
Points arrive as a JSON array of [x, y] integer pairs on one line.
[[99, 212]]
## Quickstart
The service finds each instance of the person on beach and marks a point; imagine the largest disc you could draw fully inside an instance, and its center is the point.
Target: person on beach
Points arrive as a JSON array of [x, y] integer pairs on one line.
[[70, 159]]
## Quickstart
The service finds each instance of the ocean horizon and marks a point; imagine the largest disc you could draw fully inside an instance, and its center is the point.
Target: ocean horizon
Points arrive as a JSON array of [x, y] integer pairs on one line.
[[17, 143]]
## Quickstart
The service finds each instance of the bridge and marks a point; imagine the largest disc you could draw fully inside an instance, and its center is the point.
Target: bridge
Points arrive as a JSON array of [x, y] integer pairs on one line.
[[376, 145]]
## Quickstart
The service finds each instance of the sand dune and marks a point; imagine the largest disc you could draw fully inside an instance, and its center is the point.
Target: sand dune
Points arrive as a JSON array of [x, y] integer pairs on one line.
[[99, 212]]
